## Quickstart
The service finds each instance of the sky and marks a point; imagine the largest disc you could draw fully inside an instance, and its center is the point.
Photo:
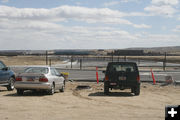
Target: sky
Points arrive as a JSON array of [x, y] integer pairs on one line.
[[88, 24]]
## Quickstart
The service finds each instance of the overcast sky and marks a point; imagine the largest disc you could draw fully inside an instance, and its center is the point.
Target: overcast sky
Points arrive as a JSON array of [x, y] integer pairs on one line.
[[88, 24]]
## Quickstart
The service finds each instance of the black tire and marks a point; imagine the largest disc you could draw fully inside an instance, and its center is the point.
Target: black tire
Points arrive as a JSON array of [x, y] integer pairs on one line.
[[137, 90], [106, 89], [10, 87], [52, 90], [62, 89], [20, 91], [132, 90]]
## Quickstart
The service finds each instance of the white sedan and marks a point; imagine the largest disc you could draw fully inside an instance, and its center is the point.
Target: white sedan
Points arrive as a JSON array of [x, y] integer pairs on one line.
[[40, 78]]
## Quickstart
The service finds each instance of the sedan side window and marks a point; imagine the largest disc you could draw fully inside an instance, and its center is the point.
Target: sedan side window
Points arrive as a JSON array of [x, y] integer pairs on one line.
[[57, 73], [53, 72], [2, 66]]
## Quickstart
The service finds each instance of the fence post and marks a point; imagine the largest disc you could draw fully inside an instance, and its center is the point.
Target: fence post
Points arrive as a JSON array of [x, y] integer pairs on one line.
[[112, 56], [80, 63], [138, 61], [124, 58], [164, 62], [49, 62], [71, 61], [46, 57]]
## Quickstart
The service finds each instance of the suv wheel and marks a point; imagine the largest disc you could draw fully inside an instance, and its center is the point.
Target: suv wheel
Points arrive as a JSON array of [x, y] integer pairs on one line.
[[137, 90], [20, 91], [132, 90], [106, 89], [10, 87]]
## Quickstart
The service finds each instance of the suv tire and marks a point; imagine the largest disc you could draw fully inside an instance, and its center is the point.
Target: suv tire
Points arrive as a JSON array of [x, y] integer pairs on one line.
[[137, 90], [106, 88]]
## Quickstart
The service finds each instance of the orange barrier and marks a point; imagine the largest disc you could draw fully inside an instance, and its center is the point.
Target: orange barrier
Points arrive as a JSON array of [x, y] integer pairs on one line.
[[97, 75], [154, 81]]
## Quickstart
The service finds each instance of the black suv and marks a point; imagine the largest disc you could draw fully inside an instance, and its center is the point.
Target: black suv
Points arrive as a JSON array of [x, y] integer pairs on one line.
[[122, 75], [7, 77]]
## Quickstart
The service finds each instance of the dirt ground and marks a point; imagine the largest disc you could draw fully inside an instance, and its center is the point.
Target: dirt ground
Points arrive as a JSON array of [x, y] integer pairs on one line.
[[89, 104]]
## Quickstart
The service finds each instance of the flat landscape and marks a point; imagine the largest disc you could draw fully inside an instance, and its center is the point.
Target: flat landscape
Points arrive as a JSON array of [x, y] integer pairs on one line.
[[41, 60], [89, 104], [26, 60]]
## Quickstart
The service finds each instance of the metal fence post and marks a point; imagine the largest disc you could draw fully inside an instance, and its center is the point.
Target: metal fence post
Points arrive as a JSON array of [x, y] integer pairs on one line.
[[49, 62], [71, 61], [80, 63], [124, 58], [46, 57], [164, 62]]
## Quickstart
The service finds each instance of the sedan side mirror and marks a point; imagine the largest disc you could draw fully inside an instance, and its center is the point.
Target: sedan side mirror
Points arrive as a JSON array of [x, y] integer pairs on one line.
[[60, 75]]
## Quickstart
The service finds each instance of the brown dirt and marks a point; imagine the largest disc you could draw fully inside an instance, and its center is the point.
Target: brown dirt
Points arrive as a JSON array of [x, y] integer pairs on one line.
[[90, 104]]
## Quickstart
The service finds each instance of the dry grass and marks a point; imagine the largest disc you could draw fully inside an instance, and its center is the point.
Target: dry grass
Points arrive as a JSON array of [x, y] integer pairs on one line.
[[27, 60]]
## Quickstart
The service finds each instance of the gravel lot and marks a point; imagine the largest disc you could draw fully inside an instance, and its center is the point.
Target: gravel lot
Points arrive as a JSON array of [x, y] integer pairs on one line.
[[89, 104]]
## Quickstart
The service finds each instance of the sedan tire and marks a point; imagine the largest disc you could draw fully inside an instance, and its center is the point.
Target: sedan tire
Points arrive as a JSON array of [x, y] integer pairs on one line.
[[10, 87], [62, 89], [20, 91], [52, 90]]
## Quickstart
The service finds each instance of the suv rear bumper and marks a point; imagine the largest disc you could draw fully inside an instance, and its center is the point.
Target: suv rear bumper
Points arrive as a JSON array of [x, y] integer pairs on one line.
[[120, 84]]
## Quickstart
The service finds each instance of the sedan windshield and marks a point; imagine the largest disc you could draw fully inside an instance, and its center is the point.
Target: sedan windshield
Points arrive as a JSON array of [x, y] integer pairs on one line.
[[41, 70]]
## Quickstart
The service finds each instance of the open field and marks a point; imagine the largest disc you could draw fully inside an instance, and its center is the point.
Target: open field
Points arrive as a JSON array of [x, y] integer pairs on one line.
[[90, 104], [27, 60], [41, 60]]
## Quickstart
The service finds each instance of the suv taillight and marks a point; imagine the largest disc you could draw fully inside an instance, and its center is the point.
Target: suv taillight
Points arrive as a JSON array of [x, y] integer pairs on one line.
[[138, 78], [106, 78], [43, 79], [18, 78]]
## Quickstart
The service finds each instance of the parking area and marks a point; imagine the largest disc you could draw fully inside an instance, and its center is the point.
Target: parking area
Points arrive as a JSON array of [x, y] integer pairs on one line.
[[88, 104]]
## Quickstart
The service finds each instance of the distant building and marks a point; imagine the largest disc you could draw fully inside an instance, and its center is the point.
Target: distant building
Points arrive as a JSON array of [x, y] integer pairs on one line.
[[72, 52], [128, 52]]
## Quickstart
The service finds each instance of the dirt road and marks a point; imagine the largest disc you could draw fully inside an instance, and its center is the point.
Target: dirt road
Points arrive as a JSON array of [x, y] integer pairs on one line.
[[89, 104]]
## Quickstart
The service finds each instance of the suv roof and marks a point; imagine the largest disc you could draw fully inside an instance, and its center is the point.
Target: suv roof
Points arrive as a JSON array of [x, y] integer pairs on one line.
[[122, 63]]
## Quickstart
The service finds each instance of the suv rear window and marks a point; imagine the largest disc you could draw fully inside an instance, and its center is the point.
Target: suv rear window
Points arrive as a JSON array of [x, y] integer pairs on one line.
[[122, 68]]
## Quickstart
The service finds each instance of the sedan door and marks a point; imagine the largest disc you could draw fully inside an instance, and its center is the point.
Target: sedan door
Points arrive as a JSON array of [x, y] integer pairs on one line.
[[60, 77], [56, 79]]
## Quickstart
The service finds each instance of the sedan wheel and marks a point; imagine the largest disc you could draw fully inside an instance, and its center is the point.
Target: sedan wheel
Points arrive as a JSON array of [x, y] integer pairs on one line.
[[62, 89], [10, 87], [51, 91], [20, 92]]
